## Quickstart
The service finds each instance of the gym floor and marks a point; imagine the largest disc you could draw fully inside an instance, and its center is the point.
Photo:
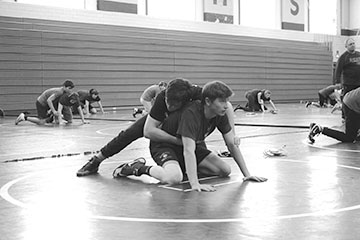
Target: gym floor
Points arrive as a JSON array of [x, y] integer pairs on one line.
[[311, 192]]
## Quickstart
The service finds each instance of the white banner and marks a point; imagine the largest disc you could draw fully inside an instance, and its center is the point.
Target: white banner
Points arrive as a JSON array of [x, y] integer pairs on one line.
[[293, 14]]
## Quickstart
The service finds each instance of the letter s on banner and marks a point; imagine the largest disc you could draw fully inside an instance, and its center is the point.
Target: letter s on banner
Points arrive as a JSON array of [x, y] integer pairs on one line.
[[296, 5]]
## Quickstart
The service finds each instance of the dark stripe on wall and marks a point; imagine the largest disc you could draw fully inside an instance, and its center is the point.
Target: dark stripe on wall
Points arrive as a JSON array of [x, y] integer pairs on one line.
[[349, 32], [222, 18], [292, 26], [112, 6]]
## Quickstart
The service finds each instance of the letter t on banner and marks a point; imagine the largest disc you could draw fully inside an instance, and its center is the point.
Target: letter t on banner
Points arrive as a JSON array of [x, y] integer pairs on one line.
[[293, 15]]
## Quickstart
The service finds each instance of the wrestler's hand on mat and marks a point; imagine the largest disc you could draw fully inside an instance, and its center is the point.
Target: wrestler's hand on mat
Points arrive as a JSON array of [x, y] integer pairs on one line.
[[255, 179], [203, 187]]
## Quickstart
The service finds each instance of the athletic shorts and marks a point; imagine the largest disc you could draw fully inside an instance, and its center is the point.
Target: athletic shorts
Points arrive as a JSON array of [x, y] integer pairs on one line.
[[162, 153], [42, 111]]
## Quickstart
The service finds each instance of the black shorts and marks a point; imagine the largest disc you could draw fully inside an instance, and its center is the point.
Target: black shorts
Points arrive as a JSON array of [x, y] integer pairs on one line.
[[42, 111], [162, 153]]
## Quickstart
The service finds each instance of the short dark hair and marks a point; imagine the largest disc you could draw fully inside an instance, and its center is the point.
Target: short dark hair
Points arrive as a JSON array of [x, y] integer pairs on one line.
[[216, 89], [93, 91], [178, 90], [68, 83]]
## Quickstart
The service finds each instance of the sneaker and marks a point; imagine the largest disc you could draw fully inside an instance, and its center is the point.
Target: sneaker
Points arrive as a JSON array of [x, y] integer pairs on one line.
[[135, 111], [91, 167], [130, 168], [20, 118], [315, 129], [224, 153]]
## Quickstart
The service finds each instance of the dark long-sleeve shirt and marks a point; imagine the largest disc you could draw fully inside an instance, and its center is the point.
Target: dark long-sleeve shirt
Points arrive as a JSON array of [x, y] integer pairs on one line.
[[348, 68]]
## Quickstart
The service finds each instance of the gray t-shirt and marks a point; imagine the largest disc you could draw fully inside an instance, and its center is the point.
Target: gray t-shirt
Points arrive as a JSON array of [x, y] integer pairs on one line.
[[42, 99], [352, 100]]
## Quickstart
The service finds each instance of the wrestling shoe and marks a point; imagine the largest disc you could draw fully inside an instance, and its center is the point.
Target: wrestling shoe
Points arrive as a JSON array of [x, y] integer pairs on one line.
[[91, 167], [315, 129], [223, 153], [307, 104], [20, 118], [130, 168], [135, 111]]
